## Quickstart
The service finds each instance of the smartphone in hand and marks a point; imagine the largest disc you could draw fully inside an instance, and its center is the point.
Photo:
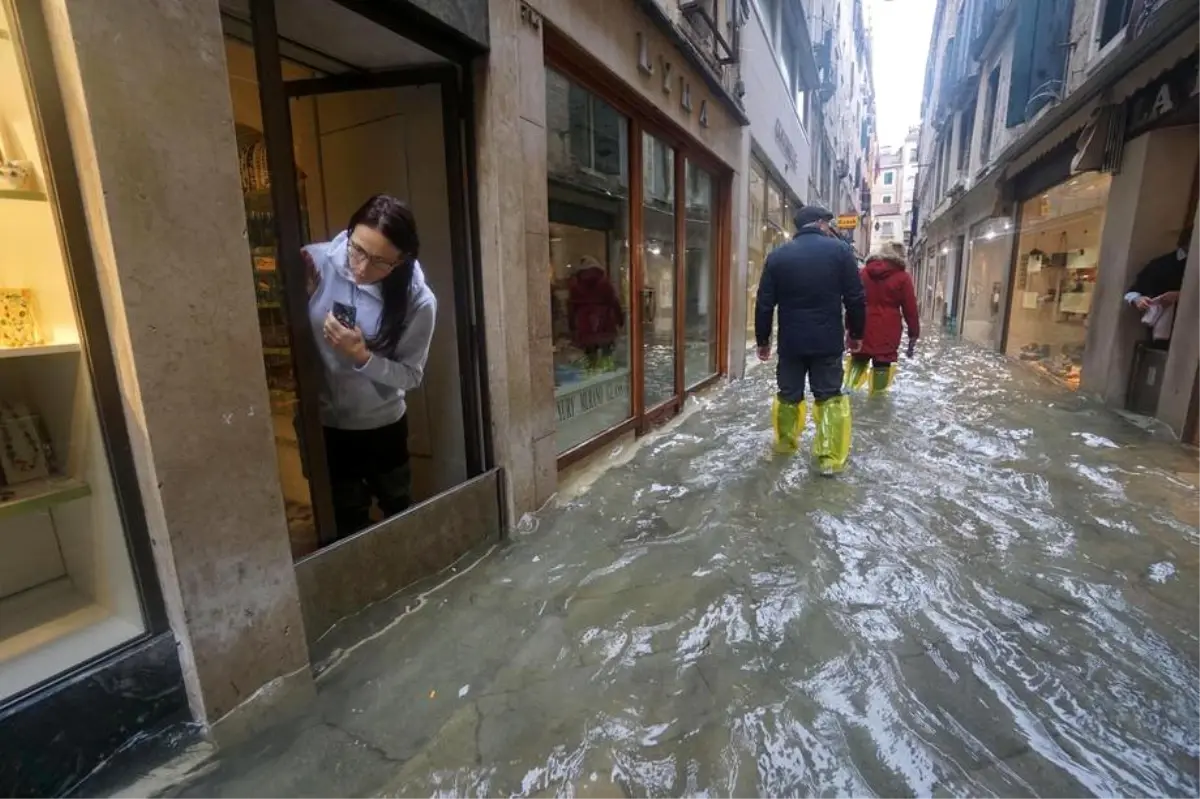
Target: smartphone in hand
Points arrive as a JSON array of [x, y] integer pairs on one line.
[[347, 315]]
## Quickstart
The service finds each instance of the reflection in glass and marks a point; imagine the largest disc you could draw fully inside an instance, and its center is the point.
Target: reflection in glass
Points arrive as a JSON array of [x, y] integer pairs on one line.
[[587, 150], [658, 275], [1058, 252], [987, 279], [700, 278], [755, 245]]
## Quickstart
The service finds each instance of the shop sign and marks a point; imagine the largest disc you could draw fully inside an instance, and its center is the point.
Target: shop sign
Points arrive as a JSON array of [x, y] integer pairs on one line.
[[647, 66], [1162, 98], [847, 222], [579, 399], [785, 145]]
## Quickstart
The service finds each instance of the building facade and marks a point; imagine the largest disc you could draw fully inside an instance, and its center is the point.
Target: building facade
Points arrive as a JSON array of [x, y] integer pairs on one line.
[[895, 187], [1054, 177], [169, 551], [842, 114]]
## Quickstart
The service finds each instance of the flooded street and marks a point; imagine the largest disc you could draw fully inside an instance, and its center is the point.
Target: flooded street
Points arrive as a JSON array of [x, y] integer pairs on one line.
[[998, 597]]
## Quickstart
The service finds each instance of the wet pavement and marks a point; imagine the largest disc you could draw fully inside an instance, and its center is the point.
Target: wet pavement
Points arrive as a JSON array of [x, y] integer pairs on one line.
[[999, 597]]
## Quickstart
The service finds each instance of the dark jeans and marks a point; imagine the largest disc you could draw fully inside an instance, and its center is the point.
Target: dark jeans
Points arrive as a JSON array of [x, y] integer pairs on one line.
[[823, 373], [366, 465]]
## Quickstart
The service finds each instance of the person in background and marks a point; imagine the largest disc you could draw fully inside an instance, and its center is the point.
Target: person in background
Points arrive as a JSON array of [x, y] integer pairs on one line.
[[890, 299], [810, 280], [373, 316], [595, 313], [1155, 291]]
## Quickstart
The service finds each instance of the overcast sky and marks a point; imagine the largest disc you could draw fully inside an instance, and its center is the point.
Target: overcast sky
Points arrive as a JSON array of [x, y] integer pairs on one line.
[[900, 32]]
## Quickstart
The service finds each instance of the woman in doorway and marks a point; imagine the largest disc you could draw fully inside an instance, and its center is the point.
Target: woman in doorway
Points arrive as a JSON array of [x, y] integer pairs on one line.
[[373, 316], [890, 299]]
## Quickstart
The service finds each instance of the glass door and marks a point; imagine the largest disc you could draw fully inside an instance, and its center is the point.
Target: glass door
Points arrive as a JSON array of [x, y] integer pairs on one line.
[[657, 292]]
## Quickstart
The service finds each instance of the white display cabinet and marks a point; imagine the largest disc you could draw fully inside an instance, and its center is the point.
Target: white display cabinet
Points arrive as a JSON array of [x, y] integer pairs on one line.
[[67, 588]]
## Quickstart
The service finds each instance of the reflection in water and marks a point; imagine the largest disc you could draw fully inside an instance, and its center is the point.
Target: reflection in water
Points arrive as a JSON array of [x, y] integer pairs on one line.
[[998, 597]]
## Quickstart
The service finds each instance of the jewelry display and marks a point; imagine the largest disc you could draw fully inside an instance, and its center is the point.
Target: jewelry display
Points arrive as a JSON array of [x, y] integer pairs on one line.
[[25, 453], [18, 324]]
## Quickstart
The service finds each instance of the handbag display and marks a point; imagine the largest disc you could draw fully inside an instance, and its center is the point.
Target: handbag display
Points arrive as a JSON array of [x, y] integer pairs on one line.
[[18, 323], [25, 451]]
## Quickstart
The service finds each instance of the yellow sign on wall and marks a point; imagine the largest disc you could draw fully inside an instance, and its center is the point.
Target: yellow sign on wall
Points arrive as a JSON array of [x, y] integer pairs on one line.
[[847, 222]]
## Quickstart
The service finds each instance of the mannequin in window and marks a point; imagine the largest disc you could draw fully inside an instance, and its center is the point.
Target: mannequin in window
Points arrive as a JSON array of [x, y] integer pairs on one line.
[[596, 315], [1155, 291]]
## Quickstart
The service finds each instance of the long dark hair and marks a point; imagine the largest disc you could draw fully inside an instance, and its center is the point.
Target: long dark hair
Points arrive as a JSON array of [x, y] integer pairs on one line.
[[395, 221]]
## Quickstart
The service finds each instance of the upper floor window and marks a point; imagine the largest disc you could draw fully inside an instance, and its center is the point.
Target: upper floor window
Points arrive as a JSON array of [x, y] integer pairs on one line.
[[887, 199], [1111, 17], [889, 178], [912, 155]]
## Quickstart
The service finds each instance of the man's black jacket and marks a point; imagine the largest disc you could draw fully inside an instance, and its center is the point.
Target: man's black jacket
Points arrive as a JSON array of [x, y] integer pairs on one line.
[[810, 279]]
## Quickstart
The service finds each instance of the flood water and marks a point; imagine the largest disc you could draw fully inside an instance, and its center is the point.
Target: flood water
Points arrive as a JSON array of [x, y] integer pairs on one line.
[[999, 597]]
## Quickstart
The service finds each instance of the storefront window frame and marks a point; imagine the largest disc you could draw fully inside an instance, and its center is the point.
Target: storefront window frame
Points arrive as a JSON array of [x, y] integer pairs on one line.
[[565, 57], [31, 40]]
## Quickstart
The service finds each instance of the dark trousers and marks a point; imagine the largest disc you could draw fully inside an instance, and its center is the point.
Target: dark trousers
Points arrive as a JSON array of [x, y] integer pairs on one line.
[[366, 465], [822, 372]]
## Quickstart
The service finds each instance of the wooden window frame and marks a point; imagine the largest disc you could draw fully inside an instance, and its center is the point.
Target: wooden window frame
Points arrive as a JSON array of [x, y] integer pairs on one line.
[[567, 58]]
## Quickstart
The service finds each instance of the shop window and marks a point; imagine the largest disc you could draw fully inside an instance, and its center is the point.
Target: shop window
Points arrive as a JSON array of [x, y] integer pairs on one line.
[[588, 158], [657, 292], [68, 591], [989, 251], [1058, 253], [700, 278], [889, 178], [756, 244]]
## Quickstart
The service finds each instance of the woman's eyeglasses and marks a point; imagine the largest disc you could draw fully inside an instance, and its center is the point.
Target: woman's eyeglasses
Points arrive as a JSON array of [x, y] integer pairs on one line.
[[357, 253]]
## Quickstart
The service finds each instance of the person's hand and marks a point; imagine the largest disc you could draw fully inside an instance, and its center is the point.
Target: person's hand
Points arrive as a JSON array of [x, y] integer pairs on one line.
[[347, 341], [912, 347], [1143, 303], [854, 344], [764, 353], [1167, 299]]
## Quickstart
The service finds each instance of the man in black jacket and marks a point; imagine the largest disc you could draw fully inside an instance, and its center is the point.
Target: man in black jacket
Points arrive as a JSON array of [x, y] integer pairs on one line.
[[810, 280]]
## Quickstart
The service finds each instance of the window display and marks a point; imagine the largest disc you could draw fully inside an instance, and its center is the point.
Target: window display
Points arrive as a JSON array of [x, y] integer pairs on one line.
[[771, 211], [700, 278], [988, 253], [658, 272], [1058, 252], [587, 149], [67, 591]]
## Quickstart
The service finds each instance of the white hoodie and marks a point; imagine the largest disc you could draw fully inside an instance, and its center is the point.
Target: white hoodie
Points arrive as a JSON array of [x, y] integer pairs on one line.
[[372, 395]]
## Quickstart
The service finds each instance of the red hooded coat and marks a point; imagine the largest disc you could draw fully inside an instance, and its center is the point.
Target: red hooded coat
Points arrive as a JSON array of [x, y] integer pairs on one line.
[[890, 296], [595, 308]]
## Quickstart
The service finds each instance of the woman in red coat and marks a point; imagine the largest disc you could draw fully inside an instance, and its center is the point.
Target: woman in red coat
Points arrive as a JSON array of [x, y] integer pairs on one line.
[[890, 297]]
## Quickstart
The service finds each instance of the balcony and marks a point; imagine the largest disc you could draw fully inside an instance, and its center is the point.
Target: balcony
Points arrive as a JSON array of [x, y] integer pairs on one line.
[[701, 27]]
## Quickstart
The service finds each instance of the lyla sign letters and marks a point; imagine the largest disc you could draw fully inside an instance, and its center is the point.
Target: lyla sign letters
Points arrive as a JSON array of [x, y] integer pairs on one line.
[[1163, 98], [682, 87]]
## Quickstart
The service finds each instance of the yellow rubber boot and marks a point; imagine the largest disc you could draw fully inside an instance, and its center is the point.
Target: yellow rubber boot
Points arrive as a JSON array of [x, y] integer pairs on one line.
[[856, 374], [881, 379], [831, 446], [788, 420]]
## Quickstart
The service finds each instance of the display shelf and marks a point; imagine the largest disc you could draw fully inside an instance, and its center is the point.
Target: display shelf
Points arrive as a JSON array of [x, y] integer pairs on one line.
[[40, 494], [41, 349], [4, 35], [269, 306], [23, 194], [276, 350], [50, 628]]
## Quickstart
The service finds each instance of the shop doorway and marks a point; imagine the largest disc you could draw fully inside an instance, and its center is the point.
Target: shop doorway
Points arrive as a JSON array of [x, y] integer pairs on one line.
[[332, 108]]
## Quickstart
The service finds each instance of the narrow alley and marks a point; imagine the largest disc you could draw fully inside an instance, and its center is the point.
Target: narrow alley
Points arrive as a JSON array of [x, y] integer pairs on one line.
[[998, 597]]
